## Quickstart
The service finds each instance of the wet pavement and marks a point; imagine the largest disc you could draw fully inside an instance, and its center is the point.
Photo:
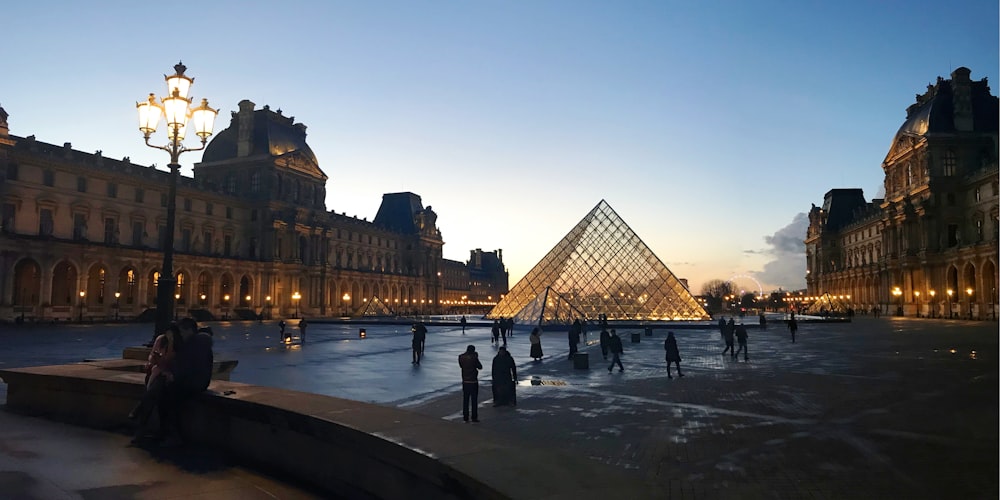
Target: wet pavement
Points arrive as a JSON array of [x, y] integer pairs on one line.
[[877, 408]]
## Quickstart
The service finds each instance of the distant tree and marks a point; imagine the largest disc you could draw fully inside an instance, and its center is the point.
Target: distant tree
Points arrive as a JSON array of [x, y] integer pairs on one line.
[[714, 291]]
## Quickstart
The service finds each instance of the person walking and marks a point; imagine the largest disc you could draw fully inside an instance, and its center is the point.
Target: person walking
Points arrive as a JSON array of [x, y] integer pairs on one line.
[[281, 331], [469, 362], [722, 327], [504, 379], [535, 339], [495, 331], [763, 322], [503, 330], [672, 354], [573, 336], [417, 343], [741, 338], [605, 339], [727, 336], [793, 326], [615, 346]]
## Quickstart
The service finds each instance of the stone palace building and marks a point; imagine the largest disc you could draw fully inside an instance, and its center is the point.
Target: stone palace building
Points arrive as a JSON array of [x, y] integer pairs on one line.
[[929, 248], [80, 235]]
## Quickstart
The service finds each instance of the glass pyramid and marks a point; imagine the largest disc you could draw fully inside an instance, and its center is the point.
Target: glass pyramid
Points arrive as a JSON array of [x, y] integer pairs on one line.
[[600, 267], [376, 308]]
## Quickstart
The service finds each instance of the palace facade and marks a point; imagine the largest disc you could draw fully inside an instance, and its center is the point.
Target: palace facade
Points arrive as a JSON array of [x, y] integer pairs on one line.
[[81, 234], [929, 248]]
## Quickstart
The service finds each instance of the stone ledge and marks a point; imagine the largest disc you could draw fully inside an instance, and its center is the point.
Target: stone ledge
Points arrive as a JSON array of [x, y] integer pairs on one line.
[[349, 448]]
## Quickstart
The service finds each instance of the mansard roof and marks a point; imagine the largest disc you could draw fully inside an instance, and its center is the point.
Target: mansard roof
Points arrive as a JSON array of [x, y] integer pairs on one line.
[[934, 110]]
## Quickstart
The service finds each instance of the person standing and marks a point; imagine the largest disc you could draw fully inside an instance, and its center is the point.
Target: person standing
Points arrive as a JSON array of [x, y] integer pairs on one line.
[[763, 322], [504, 379], [573, 336], [672, 354], [469, 362], [281, 330], [605, 340], [535, 339], [463, 322], [615, 346], [722, 327], [793, 326], [302, 329], [741, 338], [417, 343]]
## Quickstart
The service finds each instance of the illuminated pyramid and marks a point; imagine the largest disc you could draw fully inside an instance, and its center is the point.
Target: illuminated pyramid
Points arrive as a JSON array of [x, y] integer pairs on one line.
[[376, 307], [600, 267]]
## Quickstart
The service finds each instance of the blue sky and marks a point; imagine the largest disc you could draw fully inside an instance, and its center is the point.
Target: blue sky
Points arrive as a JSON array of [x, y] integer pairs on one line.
[[710, 127]]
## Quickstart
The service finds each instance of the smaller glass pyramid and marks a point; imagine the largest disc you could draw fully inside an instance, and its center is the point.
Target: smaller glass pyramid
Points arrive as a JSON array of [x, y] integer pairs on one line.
[[375, 308], [600, 267]]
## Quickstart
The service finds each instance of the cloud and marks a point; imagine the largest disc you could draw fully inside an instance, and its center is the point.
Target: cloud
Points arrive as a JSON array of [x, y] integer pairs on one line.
[[788, 268]]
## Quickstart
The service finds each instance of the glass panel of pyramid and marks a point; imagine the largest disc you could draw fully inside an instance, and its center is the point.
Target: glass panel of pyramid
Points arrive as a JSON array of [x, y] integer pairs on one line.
[[600, 267], [376, 307]]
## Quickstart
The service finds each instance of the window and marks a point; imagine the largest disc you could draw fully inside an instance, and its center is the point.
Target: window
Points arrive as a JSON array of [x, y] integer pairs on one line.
[[7, 222], [186, 240], [45, 222], [253, 215], [110, 228], [229, 212], [977, 194], [79, 226], [161, 235], [950, 199], [112, 190], [949, 163], [137, 233], [209, 208], [140, 195], [207, 242], [49, 178], [952, 235], [255, 182], [253, 248], [81, 184], [187, 204], [227, 245], [277, 248], [12, 171], [231, 185]]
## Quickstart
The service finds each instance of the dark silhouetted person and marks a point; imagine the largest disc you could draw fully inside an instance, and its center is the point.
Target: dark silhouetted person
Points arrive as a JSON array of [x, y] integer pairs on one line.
[[302, 329], [763, 322], [727, 335], [741, 338], [605, 337], [503, 330], [417, 343], [281, 329], [672, 354], [463, 322], [535, 339], [159, 372], [193, 363], [573, 336], [504, 379], [615, 346], [469, 362], [722, 327], [793, 326], [496, 331]]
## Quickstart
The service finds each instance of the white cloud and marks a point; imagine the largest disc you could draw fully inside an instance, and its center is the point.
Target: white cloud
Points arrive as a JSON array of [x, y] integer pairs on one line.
[[788, 267]]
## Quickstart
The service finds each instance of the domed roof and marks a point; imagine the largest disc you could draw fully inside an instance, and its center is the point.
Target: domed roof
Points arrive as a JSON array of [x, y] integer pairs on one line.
[[272, 134], [934, 111]]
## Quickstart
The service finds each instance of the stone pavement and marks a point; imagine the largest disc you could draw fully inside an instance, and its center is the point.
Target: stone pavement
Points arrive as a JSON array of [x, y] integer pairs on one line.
[[886, 408]]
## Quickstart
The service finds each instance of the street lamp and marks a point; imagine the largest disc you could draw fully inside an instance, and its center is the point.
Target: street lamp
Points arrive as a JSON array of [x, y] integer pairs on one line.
[[899, 295], [950, 293], [968, 291], [295, 298], [248, 300], [177, 298], [933, 303], [176, 109], [118, 295], [82, 295], [916, 294], [268, 301], [225, 306]]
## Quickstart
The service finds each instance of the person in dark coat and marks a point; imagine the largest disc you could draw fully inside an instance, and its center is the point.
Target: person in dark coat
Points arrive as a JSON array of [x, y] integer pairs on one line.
[[496, 331], [605, 338], [793, 326], [417, 343], [504, 379], [574, 338], [722, 327], [741, 338], [672, 354], [463, 321], [727, 335], [469, 362], [615, 346], [763, 322], [535, 339], [302, 329]]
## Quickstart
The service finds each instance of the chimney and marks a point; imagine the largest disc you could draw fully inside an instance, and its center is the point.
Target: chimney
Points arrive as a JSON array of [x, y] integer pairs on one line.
[[244, 132], [961, 88]]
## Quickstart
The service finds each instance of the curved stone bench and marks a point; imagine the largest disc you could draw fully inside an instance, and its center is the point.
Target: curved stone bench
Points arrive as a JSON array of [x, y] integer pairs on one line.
[[348, 448]]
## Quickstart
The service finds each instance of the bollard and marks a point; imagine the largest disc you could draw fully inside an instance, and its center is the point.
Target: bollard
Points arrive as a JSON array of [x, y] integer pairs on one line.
[[636, 337], [581, 361]]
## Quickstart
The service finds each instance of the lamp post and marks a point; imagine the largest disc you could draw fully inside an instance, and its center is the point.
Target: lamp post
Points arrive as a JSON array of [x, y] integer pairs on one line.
[[933, 303], [950, 293], [969, 291], [118, 296], [916, 295], [899, 295], [176, 109], [82, 295], [295, 298], [225, 306], [267, 301]]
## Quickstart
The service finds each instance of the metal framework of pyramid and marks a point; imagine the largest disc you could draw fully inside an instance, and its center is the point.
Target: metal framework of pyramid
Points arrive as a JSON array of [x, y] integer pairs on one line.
[[600, 267], [376, 307]]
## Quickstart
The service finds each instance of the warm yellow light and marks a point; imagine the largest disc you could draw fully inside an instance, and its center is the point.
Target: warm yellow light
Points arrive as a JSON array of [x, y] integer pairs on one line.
[[296, 296], [82, 294], [933, 293], [968, 291], [248, 298], [149, 115], [268, 298], [178, 82], [203, 118], [118, 294], [917, 294], [346, 297], [177, 296], [225, 297], [202, 296], [950, 292]]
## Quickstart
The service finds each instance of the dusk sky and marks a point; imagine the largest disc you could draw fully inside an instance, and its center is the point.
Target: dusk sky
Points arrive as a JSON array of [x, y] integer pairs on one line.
[[710, 127]]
